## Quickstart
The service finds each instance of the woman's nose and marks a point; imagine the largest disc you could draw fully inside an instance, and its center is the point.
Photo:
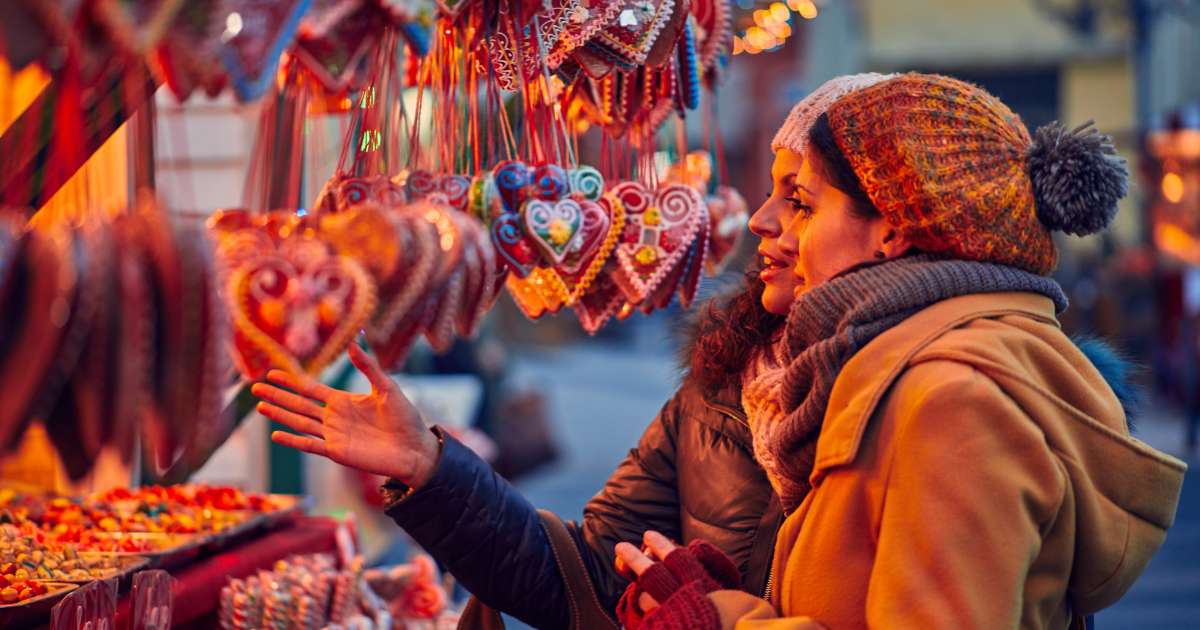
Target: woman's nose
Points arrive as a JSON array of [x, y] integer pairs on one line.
[[764, 223], [789, 244]]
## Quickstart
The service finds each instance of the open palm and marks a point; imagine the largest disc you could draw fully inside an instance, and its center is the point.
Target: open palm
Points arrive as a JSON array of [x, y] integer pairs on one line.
[[380, 432]]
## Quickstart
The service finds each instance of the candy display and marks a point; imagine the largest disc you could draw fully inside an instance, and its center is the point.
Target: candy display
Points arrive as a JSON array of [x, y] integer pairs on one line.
[[29, 554], [303, 593]]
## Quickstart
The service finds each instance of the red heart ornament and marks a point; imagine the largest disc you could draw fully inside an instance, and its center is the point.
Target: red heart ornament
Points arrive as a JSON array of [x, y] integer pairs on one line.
[[658, 232], [297, 314], [256, 40]]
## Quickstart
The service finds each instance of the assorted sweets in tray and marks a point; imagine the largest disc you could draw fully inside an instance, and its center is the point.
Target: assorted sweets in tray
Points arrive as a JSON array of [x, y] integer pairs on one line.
[[49, 544]]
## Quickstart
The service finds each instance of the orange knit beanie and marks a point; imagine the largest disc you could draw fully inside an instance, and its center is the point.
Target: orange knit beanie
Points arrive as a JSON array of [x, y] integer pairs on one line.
[[955, 170]]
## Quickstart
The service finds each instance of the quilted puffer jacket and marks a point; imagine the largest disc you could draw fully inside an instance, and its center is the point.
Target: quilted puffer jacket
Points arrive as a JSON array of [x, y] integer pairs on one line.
[[691, 476]]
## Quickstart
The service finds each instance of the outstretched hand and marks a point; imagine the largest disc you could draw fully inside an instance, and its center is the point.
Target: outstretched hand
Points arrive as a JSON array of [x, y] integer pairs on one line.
[[380, 432]]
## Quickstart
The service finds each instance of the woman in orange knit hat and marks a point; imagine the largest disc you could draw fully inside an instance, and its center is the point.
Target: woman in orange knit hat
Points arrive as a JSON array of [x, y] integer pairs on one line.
[[945, 455]]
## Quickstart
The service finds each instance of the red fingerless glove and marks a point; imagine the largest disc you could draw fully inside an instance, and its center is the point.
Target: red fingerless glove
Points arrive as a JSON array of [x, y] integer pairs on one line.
[[680, 583]]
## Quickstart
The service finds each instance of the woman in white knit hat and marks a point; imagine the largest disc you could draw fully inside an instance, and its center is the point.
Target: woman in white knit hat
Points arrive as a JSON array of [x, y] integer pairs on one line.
[[690, 476]]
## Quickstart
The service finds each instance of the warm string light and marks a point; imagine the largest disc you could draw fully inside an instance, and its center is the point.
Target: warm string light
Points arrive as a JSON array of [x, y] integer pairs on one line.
[[772, 26]]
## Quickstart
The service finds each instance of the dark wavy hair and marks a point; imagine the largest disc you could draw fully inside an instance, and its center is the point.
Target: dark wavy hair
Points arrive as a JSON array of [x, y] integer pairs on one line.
[[729, 330]]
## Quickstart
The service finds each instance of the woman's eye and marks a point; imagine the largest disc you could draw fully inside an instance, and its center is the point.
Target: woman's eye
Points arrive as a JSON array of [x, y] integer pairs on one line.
[[800, 206]]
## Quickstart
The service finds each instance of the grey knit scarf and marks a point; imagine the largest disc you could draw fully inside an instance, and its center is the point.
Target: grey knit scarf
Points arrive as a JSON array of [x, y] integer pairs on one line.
[[833, 321]]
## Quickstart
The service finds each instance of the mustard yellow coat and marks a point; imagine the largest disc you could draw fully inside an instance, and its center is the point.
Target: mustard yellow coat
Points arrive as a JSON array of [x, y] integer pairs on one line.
[[974, 470]]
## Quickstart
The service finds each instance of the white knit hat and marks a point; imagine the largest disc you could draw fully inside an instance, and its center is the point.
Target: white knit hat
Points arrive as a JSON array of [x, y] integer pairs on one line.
[[793, 135]]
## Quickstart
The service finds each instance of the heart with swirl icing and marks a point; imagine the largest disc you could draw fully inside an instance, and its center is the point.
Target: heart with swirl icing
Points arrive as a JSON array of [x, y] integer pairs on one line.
[[552, 226], [516, 251], [603, 223], [296, 314], [659, 230]]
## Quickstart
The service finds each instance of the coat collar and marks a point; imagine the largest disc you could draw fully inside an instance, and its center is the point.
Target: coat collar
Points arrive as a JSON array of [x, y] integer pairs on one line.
[[871, 371]]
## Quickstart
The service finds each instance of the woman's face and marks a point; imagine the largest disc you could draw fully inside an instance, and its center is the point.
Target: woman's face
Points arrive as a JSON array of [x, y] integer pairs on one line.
[[768, 224], [825, 236]]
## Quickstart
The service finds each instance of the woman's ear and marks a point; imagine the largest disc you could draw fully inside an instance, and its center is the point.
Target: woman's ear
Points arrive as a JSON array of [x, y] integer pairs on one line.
[[893, 244]]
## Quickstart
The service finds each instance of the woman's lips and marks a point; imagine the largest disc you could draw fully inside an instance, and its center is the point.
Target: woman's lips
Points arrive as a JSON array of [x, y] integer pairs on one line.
[[772, 268]]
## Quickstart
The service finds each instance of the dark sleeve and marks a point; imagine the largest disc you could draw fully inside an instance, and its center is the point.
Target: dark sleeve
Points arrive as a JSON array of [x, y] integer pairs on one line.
[[487, 535], [491, 539], [641, 494]]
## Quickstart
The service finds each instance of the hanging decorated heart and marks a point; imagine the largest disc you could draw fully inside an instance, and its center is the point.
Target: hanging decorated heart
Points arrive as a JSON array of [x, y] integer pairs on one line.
[[521, 42], [584, 22], [549, 182], [586, 183], [603, 223], [187, 54], [253, 43], [334, 52], [552, 226], [637, 25], [297, 316], [517, 252], [511, 178], [455, 189], [659, 229]]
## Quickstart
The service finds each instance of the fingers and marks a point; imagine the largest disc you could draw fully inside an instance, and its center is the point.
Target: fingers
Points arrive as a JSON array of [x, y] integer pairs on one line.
[[299, 442], [370, 368], [660, 546], [633, 558], [287, 400], [294, 421], [646, 603], [303, 384]]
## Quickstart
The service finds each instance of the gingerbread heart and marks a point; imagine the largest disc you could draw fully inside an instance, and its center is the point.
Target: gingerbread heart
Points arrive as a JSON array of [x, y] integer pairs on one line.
[[584, 22], [714, 32], [549, 182], [251, 53], [520, 42], [518, 253], [511, 178], [334, 50], [596, 225], [480, 284], [586, 183], [456, 189], [552, 226], [297, 316], [637, 25], [400, 291], [380, 189], [659, 229], [420, 184]]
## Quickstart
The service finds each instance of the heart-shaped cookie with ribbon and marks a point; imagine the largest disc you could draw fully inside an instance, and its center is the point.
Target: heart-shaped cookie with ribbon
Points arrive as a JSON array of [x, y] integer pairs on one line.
[[517, 252], [521, 42], [659, 229], [603, 224], [552, 226], [511, 178], [297, 315]]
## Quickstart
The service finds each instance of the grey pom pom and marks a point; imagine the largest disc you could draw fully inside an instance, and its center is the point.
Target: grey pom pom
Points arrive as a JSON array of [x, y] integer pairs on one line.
[[1077, 178]]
